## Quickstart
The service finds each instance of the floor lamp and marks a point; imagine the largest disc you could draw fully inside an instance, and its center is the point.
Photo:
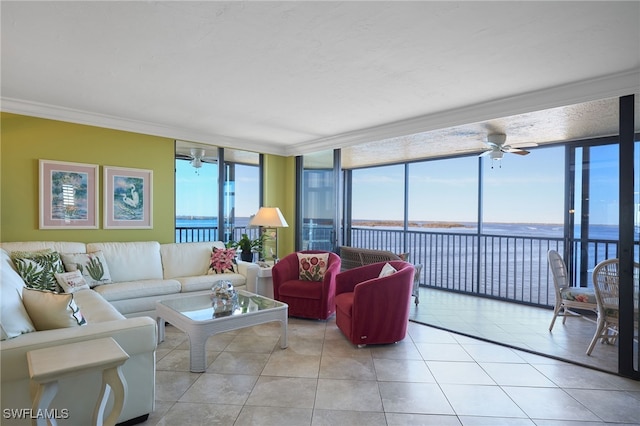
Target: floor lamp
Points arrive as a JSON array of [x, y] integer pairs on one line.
[[270, 217]]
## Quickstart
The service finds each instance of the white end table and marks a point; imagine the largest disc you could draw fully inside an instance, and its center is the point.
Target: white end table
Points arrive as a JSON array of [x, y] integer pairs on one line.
[[48, 365], [265, 281]]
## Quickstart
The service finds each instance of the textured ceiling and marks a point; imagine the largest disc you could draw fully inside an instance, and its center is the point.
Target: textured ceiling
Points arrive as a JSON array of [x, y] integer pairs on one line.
[[296, 77]]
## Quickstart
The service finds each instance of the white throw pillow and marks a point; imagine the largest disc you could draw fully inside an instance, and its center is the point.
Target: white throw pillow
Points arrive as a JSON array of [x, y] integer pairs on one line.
[[93, 267], [72, 281], [50, 311], [387, 270]]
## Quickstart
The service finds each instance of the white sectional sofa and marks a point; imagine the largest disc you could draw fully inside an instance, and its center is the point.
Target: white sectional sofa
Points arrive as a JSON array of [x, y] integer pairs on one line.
[[141, 273]]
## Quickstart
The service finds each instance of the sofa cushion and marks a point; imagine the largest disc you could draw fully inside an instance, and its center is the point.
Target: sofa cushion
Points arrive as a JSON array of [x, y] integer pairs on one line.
[[93, 266], [135, 289], [312, 266], [187, 259], [14, 319], [205, 282], [131, 261], [38, 268], [59, 246], [95, 308], [50, 311], [72, 281]]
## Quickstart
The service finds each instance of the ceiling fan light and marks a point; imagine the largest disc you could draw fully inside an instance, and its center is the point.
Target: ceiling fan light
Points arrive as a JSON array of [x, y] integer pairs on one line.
[[496, 155], [197, 163]]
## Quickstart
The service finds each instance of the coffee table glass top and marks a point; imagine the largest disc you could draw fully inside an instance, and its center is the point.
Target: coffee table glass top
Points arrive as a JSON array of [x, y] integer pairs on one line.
[[200, 308]]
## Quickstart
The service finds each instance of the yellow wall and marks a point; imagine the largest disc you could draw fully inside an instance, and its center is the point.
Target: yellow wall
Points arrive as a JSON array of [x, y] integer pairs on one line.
[[25, 140], [279, 191]]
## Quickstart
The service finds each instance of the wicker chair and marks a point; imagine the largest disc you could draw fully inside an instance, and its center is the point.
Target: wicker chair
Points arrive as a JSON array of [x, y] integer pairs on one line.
[[606, 279], [568, 297]]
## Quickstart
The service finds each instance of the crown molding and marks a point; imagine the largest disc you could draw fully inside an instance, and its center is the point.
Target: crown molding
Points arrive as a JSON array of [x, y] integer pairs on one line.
[[614, 85], [53, 112], [610, 86]]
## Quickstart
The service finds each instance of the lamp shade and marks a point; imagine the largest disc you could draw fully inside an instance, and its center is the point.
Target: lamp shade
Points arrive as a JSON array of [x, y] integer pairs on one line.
[[269, 217]]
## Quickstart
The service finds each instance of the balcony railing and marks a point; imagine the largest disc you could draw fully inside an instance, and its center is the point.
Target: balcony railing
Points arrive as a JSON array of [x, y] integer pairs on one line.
[[510, 268]]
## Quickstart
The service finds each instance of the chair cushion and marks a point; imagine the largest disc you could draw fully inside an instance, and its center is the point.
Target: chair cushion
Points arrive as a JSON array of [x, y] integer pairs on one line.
[[312, 266], [578, 294], [302, 289], [344, 303]]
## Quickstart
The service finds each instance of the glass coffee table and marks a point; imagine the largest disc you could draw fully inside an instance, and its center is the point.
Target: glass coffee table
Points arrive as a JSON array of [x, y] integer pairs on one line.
[[196, 316]]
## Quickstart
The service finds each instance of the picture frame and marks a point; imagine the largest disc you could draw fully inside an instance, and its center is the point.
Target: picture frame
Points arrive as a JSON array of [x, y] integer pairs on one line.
[[68, 194], [128, 198]]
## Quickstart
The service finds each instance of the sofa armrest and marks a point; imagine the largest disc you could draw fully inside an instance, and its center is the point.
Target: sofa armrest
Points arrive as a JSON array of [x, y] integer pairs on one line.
[[134, 335], [250, 271]]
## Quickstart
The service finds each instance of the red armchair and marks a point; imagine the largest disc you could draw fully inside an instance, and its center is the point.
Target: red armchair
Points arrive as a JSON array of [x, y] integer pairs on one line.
[[306, 299], [372, 310]]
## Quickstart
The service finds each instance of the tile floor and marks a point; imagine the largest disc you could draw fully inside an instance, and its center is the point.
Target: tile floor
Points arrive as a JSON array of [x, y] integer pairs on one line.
[[433, 377], [519, 326]]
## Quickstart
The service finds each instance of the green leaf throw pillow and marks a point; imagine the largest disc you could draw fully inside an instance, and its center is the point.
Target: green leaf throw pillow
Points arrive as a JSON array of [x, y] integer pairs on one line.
[[92, 266], [38, 268]]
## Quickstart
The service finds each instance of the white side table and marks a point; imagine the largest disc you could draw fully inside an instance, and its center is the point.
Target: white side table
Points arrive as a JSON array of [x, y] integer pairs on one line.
[[265, 282], [48, 365]]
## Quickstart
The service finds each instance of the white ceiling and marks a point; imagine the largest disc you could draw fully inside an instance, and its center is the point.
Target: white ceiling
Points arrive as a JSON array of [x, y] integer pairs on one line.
[[290, 78]]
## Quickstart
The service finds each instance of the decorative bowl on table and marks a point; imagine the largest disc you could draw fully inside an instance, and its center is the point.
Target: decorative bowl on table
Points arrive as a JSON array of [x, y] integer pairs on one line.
[[224, 299]]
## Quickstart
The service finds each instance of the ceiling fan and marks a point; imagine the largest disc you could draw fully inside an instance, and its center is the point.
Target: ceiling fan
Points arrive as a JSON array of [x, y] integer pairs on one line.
[[197, 156], [496, 147]]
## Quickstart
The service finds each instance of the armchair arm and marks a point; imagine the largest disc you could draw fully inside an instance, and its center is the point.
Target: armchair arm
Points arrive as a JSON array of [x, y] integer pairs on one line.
[[391, 294], [347, 280]]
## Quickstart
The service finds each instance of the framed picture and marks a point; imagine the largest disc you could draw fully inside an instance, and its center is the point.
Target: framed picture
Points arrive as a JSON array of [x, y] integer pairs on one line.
[[68, 195], [128, 198]]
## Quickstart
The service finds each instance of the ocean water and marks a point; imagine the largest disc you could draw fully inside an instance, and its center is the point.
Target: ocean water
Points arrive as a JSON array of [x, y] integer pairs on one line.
[[599, 232]]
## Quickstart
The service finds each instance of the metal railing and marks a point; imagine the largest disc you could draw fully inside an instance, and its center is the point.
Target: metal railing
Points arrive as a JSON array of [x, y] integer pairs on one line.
[[510, 268]]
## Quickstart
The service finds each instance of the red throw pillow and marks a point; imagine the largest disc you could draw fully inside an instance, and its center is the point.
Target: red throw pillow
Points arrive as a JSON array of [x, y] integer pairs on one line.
[[223, 261]]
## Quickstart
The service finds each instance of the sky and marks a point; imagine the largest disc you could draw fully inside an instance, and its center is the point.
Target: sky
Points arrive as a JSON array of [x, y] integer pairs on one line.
[[518, 189]]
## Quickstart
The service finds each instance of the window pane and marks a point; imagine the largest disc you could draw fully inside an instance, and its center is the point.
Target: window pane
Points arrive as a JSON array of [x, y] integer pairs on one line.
[[444, 192], [524, 195], [318, 201], [196, 202]]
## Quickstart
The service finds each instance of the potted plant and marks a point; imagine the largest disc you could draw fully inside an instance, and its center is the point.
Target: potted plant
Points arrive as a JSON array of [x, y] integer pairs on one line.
[[247, 246]]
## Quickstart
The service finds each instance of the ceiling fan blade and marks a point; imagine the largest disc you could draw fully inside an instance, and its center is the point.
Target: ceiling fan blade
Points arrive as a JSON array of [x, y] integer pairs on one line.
[[518, 151], [484, 154], [180, 156]]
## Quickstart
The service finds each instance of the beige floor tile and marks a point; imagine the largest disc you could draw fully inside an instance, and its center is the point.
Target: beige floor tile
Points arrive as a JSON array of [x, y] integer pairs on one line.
[[186, 413], [349, 395], [339, 417], [402, 419], [290, 364], [549, 403], [459, 373], [273, 416], [516, 375], [239, 363], [171, 385], [481, 400], [291, 392], [402, 370], [348, 368], [220, 389], [424, 398]]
